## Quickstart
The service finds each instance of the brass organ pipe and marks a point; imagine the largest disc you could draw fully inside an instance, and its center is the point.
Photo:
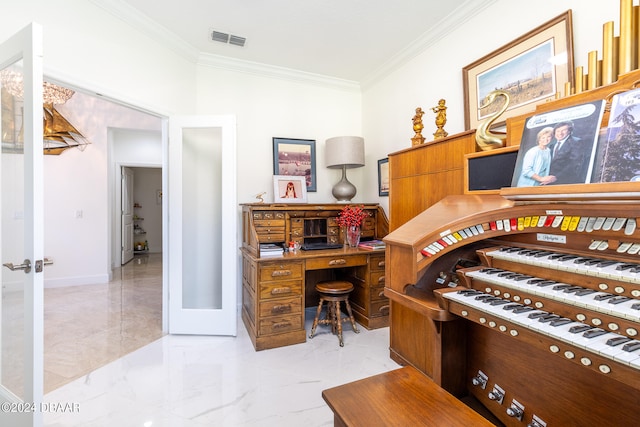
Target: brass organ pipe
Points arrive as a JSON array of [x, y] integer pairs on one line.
[[625, 60], [579, 80], [592, 70], [616, 54], [607, 53], [567, 89]]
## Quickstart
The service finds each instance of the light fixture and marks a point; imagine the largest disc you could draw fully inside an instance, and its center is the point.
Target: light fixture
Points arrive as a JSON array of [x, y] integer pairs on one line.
[[58, 133], [344, 152]]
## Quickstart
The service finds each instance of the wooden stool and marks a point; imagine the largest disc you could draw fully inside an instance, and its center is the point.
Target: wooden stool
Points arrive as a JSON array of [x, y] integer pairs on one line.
[[334, 291]]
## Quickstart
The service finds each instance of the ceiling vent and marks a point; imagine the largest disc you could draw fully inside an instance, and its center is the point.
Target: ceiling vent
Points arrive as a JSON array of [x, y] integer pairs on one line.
[[219, 36]]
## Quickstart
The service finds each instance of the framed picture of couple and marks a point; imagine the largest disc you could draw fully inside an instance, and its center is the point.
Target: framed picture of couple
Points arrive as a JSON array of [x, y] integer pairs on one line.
[[559, 147]]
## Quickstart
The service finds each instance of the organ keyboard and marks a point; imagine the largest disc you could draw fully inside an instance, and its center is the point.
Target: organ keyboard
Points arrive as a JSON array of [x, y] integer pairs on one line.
[[541, 299]]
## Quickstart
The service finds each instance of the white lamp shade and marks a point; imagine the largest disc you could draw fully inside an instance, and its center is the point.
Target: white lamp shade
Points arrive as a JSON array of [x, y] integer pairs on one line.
[[347, 151]]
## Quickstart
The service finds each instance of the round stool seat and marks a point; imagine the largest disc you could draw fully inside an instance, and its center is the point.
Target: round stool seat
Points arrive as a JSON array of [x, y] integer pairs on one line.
[[334, 287]]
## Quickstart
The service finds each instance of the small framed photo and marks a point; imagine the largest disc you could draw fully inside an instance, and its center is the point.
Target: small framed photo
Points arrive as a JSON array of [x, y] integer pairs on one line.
[[383, 177], [295, 157], [289, 189]]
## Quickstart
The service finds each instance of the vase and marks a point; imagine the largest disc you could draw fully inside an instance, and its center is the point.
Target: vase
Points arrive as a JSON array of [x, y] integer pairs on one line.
[[353, 235]]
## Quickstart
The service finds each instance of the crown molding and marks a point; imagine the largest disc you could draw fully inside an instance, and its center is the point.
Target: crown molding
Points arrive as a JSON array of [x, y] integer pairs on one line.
[[433, 35], [273, 71]]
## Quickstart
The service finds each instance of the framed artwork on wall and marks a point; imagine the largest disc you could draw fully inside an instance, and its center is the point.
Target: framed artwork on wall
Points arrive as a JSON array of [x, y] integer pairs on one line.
[[383, 177], [532, 69], [295, 157], [289, 189]]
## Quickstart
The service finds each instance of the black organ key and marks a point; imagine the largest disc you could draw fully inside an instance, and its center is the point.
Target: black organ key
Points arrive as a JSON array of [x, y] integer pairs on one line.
[[548, 318], [535, 281], [499, 302], [579, 328], [546, 283], [595, 332], [635, 306], [523, 309], [617, 341], [522, 277], [512, 306], [483, 297], [567, 257], [541, 254], [626, 266], [592, 261], [606, 263], [603, 297], [490, 270], [619, 300], [572, 289], [582, 260], [537, 315], [585, 292], [561, 321], [556, 256], [561, 287], [631, 346]]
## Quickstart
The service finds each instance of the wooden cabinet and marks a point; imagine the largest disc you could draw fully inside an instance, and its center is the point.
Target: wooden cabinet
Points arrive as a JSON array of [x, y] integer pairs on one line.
[[424, 174], [276, 289]]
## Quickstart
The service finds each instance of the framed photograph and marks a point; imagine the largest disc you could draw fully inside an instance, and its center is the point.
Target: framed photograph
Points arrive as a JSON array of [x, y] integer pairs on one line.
[[295, 157], [559, 147], [383, 177], [532, 69], [289, 189]]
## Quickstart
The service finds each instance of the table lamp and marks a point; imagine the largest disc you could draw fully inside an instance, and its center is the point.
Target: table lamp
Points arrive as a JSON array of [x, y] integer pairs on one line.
[[344, 152]]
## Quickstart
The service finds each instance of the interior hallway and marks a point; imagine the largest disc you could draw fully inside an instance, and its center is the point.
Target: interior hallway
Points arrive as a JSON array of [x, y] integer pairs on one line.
[[86, 327]]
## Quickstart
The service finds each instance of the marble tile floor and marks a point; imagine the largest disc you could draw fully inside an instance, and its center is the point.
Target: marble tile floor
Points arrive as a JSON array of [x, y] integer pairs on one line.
[[88, 326], [196, 381]]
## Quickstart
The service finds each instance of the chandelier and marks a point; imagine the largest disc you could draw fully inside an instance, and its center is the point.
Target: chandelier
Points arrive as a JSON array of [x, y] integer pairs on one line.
[[58, 134], [13, 82]]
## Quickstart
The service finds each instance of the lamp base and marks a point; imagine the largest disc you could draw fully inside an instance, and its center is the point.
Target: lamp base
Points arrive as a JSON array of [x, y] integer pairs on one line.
[[344, 191]]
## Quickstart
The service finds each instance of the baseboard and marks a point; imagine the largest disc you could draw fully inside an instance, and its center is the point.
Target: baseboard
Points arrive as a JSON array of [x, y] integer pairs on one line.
[[63, 282]]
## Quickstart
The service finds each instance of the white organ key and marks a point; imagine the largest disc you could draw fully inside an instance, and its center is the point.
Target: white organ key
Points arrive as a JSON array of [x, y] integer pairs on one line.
[[618, 224], [557, 221], [582, 224], [590, 222], [599, 223], [542, 220], [608, 223], [630, 227]]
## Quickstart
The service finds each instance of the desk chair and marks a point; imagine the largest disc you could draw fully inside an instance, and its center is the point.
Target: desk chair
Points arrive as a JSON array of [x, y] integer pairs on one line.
[[333, 292]]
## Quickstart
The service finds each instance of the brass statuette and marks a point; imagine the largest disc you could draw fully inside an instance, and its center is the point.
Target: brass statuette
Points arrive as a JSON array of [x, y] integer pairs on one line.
[[486, 139], [417, 127], [441, 119]]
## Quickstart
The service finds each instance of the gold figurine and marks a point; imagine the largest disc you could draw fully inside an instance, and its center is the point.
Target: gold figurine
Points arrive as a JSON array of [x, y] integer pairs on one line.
[[441, 119], [417, 127]]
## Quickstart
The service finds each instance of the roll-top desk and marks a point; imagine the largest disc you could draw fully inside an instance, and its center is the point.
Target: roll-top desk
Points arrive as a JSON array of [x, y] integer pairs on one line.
[[276, 289]]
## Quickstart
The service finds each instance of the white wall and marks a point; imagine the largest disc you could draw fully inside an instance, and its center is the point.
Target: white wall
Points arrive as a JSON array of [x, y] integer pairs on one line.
[[90, 48], [146, 183], [389, 105]]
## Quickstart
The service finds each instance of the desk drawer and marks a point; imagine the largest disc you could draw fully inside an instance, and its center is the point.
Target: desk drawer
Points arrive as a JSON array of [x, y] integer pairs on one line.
[[336, 261], [280, 271], [377, 279], [269, 290], [379, 308], [280, 324], [377, 262], [281, 307]]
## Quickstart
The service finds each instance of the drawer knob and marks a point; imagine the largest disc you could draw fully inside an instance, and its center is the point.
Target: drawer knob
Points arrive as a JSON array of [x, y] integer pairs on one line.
[[281, 325], [381, 279], [280, 273], [384, 309], [340, 261], [281, 308], [280, 291], [381, 264]]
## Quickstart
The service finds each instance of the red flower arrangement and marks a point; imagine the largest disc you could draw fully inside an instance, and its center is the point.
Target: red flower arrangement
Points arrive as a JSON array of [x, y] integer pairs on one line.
[[352, 215]]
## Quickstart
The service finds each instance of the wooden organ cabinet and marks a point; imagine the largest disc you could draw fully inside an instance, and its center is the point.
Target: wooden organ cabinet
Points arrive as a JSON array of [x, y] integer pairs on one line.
[[277, 288], [527, 300]]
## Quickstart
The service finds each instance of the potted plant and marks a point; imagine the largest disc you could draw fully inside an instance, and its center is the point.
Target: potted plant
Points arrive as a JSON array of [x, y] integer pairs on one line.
[[350, 219]]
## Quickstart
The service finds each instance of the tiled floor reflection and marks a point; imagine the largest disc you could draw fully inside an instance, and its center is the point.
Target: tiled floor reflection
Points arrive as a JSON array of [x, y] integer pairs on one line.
[[200, 381], [86, 327]]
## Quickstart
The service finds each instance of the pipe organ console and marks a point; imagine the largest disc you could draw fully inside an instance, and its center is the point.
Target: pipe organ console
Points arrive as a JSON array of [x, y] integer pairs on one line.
[[531, 307]]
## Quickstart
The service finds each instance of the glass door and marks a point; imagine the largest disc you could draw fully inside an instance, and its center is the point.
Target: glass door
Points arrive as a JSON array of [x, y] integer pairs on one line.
[[203, 252], [21, 234]]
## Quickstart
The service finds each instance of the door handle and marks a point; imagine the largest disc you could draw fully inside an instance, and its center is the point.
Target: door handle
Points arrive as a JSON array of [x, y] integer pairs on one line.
[[25, 266]]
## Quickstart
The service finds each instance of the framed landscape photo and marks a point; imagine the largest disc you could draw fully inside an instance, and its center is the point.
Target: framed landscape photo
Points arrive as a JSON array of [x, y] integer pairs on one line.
[[383, 177], [295, 157], [289, 189], [532, 69]]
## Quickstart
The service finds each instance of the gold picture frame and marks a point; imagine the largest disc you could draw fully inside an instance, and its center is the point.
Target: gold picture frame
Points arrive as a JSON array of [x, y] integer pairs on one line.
[[546, 51]]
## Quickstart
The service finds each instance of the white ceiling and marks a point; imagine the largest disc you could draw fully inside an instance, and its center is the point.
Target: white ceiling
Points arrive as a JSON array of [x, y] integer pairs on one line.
[[351, 40]]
